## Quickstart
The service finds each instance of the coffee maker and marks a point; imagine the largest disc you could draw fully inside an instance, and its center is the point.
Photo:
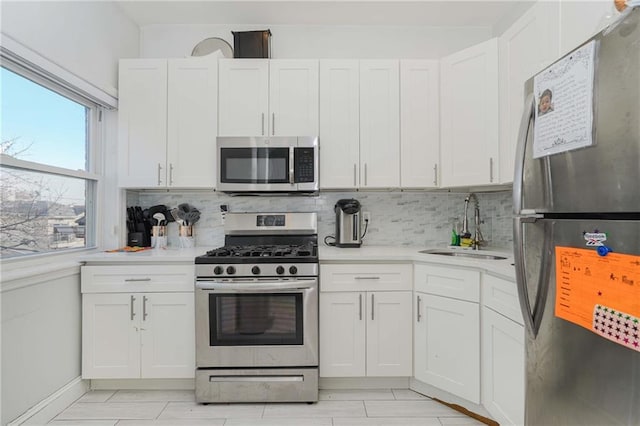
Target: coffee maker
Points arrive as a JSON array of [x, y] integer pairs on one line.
[[348, 223]]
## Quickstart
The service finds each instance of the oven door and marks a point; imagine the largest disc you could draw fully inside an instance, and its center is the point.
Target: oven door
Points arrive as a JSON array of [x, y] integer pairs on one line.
[[251, 323]]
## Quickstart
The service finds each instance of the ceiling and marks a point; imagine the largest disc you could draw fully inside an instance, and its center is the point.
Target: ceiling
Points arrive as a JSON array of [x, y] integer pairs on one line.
[[317, 12]]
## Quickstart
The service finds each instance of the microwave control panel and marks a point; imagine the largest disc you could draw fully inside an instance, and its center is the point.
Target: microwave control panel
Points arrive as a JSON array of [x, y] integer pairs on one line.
[[304, 164]]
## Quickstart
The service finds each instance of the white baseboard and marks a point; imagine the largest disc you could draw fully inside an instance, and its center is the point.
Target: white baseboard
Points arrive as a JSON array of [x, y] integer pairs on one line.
[[143, 384], [363, 383], [48, 408]]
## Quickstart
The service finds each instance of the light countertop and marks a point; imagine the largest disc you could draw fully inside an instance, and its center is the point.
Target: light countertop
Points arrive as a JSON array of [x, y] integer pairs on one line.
[[503, 268]]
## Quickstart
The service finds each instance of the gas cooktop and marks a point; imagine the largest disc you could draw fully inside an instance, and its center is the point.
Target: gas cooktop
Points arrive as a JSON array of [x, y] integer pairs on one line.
[[270, 253]]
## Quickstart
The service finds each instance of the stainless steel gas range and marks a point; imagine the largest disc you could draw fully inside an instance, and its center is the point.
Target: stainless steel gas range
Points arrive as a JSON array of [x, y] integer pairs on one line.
[[257, 311]]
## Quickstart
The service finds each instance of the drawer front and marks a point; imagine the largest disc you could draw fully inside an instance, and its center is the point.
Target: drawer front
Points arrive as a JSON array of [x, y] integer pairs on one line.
[[365, 277], [502, 296], [447, 281], [137, 278]]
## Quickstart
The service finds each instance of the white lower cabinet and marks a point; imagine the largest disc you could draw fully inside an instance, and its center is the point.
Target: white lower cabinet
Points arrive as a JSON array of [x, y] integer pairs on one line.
[[447, 345], [503, 368], [447, 330], [138, 321], [365, 320], [138, 335], [365, 334]]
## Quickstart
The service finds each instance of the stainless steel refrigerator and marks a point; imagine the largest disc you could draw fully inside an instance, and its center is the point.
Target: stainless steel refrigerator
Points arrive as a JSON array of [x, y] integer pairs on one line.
[[583, 201]]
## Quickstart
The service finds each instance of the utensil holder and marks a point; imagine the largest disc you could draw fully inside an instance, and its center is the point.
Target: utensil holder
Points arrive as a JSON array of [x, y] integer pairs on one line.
[[159, 237], [185, 233]]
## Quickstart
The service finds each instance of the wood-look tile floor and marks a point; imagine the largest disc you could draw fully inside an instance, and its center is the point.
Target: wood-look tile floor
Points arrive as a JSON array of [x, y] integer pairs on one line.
[[375, 407]]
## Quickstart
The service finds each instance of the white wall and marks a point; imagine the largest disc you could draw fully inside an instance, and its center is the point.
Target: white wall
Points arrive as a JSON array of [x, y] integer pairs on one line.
[[41, 338], [291, 41], [85, 38], [41, 314]]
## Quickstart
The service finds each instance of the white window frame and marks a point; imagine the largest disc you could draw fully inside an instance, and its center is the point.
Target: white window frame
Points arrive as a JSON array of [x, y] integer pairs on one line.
[[94, 156]]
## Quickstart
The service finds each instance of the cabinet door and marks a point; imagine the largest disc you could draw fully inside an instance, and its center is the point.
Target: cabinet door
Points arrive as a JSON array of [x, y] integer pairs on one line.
[[448, 346], [419, 123], [110, 336], [192, 122], [342, 334], [293, 97], [339, 123], [243, 97], [142, 123], [503, 368], [469, 116], [389, 337], [528, 46], [379, 124], [168, 335]]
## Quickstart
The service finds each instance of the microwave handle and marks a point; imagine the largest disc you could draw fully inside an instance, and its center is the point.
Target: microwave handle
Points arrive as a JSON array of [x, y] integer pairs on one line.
[[292, 176]]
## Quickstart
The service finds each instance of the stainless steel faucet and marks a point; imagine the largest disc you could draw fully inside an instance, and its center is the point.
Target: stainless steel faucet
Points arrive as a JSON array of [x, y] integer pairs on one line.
[[477, 237]]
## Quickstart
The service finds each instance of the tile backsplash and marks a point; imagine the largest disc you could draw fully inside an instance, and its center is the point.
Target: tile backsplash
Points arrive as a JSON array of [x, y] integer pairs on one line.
[[397, 218]]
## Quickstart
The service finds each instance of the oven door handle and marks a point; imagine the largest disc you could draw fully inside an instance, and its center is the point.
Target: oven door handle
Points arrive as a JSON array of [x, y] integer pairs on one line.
[[254, 288]]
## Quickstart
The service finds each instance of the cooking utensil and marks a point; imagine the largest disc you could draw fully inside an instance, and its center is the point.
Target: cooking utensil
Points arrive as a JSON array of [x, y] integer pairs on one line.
[[175, 213], [160, 219]]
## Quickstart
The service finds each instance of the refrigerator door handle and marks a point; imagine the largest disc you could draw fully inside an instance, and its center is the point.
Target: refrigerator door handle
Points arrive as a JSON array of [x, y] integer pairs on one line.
[[532, 317], [527, 114]]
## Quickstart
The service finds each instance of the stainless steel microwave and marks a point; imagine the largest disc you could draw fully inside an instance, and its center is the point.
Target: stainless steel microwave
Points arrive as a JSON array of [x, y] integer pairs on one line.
[[267, 164]]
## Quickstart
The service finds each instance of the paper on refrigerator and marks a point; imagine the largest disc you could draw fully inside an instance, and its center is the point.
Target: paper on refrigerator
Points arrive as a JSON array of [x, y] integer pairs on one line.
[[564, 103]]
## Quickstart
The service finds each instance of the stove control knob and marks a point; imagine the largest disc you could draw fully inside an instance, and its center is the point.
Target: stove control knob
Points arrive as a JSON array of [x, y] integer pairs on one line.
[[293, 270], [279, 270], [218, 270], [255, 270], [231, 270]]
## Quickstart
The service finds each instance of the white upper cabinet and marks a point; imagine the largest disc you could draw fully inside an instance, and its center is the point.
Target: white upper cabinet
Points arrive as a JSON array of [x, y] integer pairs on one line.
[[261, 97], [419, 123], [379, 124], [167, 122], [142, 118], [243, 97], [528, 46], [469, 116], [192, 125], [293, 101], [339, 123]]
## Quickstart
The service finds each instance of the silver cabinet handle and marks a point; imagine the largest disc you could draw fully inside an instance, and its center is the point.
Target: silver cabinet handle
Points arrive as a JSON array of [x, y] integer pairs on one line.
[[490, 169], [365, 174], [372, 304], [366, 278], [435, 175], [360, 299], [273, 123], [129, 280], [133, 314], [355, 180], [291, 166], [263, 124], [418, 308], [144, 308], [170, 173], [159, 170]]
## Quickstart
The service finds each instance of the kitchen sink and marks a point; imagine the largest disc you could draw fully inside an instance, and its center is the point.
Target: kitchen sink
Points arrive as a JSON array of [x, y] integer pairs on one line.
[[473, 255]]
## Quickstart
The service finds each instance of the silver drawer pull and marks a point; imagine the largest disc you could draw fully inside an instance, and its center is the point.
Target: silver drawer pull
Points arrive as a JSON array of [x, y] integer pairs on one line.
[[256, 379], [366, 278], [130, 280], [133, 314]]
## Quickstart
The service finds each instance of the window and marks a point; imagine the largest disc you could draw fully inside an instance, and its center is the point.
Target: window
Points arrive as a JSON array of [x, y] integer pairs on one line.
[[47, 180]]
